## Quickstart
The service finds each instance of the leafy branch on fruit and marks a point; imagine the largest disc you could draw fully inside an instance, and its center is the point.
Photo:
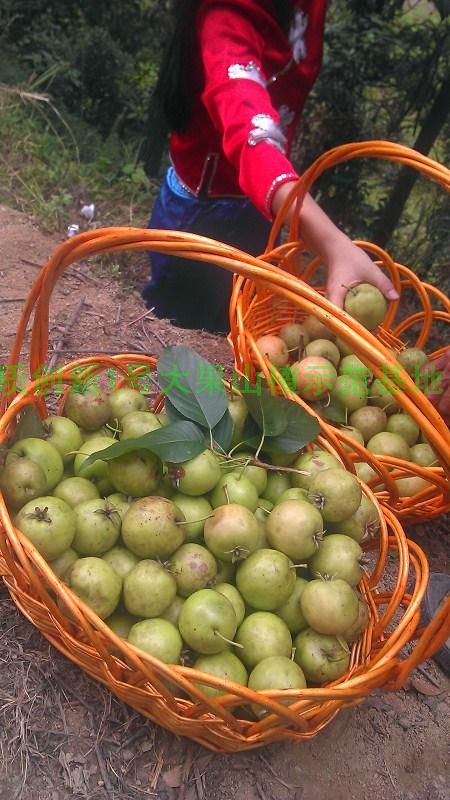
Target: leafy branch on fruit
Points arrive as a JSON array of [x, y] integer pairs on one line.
[[199, 418]]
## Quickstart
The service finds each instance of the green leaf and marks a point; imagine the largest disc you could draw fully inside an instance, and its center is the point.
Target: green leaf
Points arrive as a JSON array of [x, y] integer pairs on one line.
[[171, 411], [29, 425], [223, 431], [302, 428], [176, 443], [268, 410], [331, 408], [193, 385]]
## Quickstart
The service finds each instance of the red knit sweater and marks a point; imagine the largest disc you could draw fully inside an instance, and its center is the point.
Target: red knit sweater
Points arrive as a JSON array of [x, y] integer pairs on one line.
[[250, 82]]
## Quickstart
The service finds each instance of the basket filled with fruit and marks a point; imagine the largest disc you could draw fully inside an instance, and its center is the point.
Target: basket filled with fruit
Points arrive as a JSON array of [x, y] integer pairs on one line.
[[369, 371], [151, 532]]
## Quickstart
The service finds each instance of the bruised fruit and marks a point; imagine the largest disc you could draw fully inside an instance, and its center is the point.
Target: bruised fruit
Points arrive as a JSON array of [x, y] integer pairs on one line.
[[193, 567], [89, 409], [311, 463]]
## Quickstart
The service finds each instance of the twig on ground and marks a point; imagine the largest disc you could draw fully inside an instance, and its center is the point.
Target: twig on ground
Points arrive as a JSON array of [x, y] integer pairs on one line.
[[186, 771], [429, 677], [103, 770], [280, 780], [390, 776], [83, 276], [118, 314], [12, 299], [141, 316], [158, 337], [131, 740], [157, 771], [260, 792], [30, 263], [64, 333]]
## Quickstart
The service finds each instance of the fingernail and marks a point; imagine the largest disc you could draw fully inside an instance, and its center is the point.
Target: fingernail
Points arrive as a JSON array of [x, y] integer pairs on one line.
[[393, 294]]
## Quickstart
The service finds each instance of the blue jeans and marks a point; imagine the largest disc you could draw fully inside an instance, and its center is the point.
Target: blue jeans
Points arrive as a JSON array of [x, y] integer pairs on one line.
[[193, 294]]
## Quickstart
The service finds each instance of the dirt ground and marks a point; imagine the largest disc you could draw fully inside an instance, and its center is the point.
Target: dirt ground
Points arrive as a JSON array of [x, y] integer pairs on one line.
[[64, 736]]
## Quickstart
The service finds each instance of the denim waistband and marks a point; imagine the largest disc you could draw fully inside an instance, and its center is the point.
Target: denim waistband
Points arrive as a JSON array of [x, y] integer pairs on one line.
[[176, 186]]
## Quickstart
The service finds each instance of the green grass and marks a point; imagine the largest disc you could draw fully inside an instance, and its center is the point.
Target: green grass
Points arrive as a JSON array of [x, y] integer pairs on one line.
[[50, 164]]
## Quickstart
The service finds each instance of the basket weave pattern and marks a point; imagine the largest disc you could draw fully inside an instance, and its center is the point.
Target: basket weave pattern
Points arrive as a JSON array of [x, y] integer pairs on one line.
[[169, 695], [261, 308]]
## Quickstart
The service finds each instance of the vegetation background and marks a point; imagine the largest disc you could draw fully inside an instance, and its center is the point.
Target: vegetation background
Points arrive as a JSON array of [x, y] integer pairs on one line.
[[75, 81]]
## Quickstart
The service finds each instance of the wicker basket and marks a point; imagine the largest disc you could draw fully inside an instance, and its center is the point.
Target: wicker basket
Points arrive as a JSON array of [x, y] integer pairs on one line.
[[169, 695], [257, 309]]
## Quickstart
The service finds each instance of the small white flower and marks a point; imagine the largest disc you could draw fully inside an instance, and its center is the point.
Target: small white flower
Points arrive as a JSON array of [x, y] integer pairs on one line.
[[87, 211]]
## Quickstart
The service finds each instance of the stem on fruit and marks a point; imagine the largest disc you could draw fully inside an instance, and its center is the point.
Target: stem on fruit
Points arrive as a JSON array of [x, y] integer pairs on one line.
[[370, 531], [317, 500], [193, 521], [169, 567], [229, 641], [237, 553], [331, 659], [324, 576], [343, 644], [40, 513], [108, 510], [115, 430], [256, 462], [318, 537], [227, 496], [294, 566], [293, 652]]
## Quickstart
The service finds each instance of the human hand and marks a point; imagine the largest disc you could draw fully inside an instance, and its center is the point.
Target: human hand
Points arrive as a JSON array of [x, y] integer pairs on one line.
[[349, 265]]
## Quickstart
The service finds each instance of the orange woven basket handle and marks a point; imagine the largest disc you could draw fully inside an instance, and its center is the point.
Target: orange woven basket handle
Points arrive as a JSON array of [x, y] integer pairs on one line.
[[20, 556], [192, 246], [389, 151], [101, 241]]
